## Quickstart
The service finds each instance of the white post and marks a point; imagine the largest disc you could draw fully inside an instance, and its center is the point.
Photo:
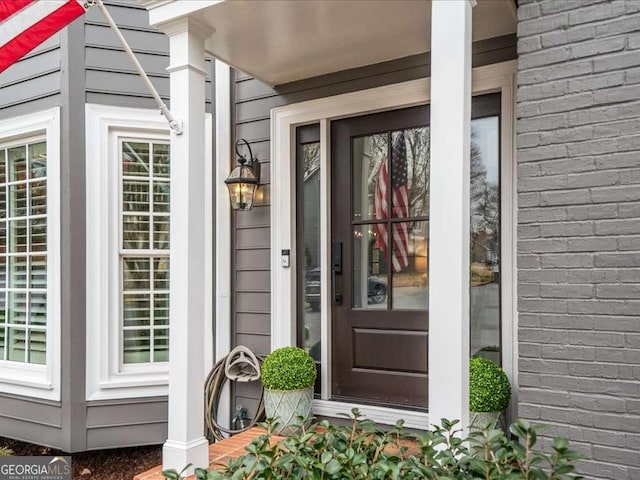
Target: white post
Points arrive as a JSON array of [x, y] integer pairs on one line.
[[186, 443], [449, 210]]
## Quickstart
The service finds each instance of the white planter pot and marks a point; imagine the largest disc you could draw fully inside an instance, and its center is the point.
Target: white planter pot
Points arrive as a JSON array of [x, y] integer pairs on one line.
[[286, 407], [478, 420]]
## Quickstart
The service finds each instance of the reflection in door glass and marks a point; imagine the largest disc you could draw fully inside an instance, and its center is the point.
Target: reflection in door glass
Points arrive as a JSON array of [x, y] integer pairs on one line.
[[410, 173], [485, 239], [369, 160], [310, 177], [410, 286], [390, 182], [369, 269]]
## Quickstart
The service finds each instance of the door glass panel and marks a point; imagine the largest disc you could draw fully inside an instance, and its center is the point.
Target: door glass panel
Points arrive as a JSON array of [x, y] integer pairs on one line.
[[369, 154], [388, 254], [485, 238], [310, 165], [410, 172], [369, 268], [409, 266]]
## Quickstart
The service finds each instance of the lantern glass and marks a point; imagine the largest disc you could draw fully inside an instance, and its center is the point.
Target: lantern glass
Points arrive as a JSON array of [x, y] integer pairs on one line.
[[242, 184]]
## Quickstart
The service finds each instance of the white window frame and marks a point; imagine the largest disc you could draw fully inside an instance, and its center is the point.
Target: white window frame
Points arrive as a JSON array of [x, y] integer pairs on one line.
[[41, 381], [284, 120], [107, 376]]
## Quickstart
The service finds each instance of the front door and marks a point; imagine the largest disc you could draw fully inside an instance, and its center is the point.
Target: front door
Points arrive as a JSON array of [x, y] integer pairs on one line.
[[378, 321], [379, 258], [380, 226]]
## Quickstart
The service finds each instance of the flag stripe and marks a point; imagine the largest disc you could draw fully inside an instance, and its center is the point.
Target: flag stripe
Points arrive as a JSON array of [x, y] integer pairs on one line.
[[398, 244], [25, 18], [9, 7], [37, 33]]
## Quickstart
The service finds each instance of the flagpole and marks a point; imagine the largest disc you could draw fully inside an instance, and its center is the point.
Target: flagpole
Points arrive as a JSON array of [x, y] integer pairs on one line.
[[176, 125]]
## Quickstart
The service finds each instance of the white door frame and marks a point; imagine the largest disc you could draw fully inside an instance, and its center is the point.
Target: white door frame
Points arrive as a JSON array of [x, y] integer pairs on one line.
[[284, 120]]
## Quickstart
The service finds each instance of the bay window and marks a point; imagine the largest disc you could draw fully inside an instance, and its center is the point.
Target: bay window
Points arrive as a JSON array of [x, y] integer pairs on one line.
[[29, 255]]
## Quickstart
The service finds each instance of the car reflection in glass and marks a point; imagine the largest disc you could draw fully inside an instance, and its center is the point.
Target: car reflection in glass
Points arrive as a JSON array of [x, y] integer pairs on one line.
[[376, 289]]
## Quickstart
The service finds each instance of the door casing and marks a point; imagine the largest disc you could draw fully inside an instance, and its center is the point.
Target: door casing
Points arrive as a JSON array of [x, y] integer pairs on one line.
[[498, 77]]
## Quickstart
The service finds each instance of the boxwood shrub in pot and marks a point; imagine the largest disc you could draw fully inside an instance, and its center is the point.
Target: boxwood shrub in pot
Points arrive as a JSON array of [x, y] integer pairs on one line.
[[489, 393], [288, 375]]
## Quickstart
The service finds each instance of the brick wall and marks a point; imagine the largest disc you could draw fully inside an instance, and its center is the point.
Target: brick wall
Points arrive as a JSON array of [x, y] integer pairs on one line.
[[578, 137]]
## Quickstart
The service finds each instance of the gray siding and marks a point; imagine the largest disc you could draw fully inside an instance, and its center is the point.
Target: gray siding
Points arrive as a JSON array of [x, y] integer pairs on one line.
[[250, 230], [122, 423], [31, 419], [578, 136], [111, 78], [33, 83]]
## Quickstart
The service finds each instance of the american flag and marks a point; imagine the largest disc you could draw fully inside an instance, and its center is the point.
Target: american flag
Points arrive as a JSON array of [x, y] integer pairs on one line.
[[399, 203], [25, 24]]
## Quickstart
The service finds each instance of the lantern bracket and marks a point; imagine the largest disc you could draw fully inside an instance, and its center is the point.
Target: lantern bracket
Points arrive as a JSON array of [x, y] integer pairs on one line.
[[242, 159]]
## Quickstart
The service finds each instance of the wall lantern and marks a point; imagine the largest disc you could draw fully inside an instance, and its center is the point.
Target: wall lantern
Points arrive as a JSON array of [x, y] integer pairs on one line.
[[243, 180]]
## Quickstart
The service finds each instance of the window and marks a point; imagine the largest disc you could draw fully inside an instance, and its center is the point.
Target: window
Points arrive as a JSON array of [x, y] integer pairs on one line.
[[127, 252], [29, 255], [128, 198], [144, 255]]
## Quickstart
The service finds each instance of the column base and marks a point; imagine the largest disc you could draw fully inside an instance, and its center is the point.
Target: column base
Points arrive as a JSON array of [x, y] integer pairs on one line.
[[178, 455]]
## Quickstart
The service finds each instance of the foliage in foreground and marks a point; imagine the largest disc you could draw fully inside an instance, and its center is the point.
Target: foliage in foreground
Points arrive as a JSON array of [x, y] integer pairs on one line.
[[362, 451], [5, 452]]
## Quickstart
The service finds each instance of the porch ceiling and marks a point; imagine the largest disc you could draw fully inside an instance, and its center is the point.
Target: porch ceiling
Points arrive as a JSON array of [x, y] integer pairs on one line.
[[280, 41]]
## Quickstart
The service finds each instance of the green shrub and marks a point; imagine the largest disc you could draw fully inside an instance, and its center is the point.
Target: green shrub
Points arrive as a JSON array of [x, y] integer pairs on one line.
[[489, 387], [362, 451], [288, 368]]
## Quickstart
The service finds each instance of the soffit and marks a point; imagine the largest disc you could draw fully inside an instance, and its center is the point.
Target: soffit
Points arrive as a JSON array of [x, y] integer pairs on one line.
[[280, 41]]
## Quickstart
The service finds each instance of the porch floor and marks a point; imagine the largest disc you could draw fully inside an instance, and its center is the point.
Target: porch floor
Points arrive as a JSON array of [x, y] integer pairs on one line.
[[219, 453]]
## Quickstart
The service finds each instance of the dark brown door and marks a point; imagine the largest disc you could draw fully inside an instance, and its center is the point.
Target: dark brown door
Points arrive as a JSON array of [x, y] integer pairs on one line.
[[380, 166]]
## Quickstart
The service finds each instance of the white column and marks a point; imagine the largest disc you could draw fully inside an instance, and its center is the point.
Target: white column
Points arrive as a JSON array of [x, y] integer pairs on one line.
[[186, 442], [449, 210]]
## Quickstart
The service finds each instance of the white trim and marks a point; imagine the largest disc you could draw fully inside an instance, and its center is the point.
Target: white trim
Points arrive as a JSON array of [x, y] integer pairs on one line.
[[41, 381], [284, 120], [382, 415], [106, 377], [208, 243], [223, 227], [163, 11], [325, 255]]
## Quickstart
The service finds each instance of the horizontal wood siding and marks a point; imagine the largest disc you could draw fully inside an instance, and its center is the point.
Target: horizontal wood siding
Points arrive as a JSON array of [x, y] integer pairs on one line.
[[122, 423], [111, 78], [33, 83], [251, 230], [31, 420]]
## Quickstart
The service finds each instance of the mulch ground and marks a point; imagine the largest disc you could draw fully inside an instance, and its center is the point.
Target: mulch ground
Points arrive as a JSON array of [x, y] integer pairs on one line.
[[115, 464]]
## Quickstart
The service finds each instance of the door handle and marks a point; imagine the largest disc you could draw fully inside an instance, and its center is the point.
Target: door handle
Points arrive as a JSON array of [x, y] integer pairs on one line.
[[336, 268]]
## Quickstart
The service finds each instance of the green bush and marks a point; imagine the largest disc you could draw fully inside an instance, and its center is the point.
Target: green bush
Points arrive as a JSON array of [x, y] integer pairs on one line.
[[288, 368], [362, 451], [489, 387]]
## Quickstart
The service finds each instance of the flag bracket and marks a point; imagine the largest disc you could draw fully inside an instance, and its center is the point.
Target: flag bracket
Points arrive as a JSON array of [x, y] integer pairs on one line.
[[175, 124]]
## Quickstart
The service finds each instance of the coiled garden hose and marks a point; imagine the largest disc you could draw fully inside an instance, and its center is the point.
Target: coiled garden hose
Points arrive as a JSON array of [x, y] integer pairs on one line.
[[212, 390]]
